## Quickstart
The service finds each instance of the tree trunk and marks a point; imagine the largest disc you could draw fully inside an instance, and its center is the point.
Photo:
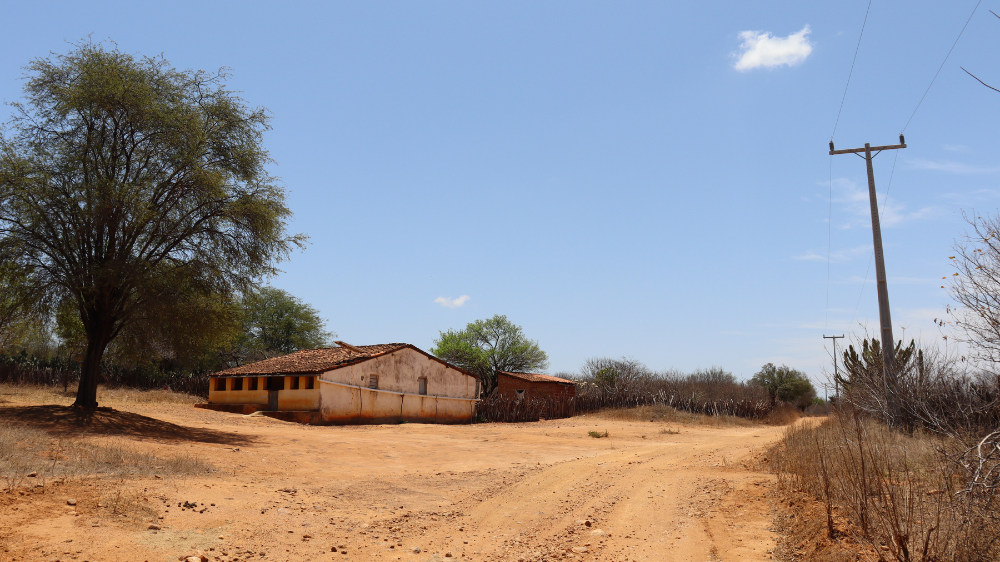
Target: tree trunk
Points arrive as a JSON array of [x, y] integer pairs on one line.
[[98, 337]]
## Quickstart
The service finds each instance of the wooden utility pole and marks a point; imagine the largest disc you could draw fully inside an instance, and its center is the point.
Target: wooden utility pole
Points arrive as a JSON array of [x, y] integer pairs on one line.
[[888, 345], [836, 372]]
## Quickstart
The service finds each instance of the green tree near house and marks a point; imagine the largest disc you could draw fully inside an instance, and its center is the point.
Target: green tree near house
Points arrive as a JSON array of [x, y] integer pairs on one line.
[[273, 322], [127, 187], [785, 384], [486, 347]]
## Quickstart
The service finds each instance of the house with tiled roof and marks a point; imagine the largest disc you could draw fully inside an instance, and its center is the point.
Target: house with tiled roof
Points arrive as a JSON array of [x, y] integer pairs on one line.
[[532, 386], [385, 383]]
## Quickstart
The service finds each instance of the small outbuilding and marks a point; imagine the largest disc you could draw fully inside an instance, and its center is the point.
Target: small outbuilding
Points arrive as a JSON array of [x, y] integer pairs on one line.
[[532, 386], [386, 383]]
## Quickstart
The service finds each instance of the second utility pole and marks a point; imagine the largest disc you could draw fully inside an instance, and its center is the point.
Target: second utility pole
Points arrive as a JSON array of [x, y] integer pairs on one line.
[[888, 344]]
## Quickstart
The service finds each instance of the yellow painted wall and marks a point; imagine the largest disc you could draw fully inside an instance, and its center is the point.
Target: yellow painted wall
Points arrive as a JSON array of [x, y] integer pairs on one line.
[[230, 396], [302, 399], [298, 399]]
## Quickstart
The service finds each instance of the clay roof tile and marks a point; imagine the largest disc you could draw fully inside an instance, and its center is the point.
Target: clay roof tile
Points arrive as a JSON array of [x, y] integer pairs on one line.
[[310, 361], [532, 377]]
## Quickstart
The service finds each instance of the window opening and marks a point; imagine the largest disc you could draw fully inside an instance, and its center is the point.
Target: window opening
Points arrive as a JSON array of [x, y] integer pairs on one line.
[[520, 394], [275, 383], [238, 383], [422, 381], [310, 383], [220, 384], [372, 381], [295, 383], [253, 383]]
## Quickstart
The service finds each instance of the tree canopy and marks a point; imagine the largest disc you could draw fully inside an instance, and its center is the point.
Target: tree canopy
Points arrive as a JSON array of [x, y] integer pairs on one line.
[[485, 347], [616, 375], [128, 188], [785, 384], [275, 323]]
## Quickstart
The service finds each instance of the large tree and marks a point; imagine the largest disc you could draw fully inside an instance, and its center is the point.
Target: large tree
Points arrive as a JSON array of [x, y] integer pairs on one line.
[[275, 322], [485, 347], [122, 178]]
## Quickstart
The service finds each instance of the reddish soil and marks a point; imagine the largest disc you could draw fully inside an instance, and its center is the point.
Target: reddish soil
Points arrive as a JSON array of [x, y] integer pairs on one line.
[[513, 492]]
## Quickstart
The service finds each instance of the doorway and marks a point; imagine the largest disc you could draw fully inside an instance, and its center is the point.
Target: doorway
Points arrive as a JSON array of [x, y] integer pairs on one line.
[[274, 384]]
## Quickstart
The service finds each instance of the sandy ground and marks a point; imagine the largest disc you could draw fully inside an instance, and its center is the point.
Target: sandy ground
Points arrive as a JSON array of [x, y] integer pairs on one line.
[[511, 492]]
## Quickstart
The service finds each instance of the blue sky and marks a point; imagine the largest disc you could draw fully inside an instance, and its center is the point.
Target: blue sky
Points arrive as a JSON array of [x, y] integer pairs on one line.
[[601, 173]]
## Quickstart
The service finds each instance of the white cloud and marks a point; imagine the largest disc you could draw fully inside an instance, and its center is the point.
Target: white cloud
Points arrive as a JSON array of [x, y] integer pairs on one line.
[[761, 49], [951, 167], [452, 303]]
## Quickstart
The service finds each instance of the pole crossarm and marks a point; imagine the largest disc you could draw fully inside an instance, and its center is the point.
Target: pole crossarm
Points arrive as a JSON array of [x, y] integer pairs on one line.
[[902, 144], [862, 149]]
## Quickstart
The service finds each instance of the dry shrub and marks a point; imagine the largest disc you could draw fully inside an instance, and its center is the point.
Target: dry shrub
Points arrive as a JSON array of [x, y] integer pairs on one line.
[[626, 383], [26, 450], [124, 501], [898, 495], [667, 414], [783, 414]]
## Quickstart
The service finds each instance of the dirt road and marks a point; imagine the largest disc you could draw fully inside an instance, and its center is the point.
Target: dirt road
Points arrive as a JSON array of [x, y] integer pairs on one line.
[[519, 492]]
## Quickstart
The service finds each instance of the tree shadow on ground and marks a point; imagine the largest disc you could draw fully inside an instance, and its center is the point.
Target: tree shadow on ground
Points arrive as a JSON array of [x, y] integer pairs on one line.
[[67, 421]]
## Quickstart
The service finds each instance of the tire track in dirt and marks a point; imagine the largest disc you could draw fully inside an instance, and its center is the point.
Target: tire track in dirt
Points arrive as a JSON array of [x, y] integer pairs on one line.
[[497, 492]]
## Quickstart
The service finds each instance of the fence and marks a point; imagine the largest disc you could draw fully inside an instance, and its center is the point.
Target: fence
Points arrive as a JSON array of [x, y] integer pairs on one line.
[[22, 369], [510, 410]]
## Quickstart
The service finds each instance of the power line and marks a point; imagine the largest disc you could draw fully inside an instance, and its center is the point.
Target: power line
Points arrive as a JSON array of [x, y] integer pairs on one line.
[[940, 67], [856, 49]]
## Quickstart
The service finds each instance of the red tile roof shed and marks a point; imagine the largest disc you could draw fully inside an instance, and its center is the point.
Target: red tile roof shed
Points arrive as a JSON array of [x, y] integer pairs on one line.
[[531, 377]]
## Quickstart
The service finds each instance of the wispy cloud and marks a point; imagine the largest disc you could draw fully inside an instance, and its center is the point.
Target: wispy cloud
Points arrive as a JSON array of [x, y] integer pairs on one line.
[[951, 167], [854, 198], [760, 49], [858, 280], [838, 256], [971, 197], [452, 303]]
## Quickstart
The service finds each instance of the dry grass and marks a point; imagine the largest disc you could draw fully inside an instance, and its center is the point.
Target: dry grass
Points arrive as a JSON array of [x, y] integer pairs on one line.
[[892, 494], [31, 456], [36, 394], [666, 414], [124, 501]]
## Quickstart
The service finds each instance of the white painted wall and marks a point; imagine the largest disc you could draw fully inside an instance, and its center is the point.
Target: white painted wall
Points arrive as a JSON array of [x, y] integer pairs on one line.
[[400, 370], [450, 393]]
